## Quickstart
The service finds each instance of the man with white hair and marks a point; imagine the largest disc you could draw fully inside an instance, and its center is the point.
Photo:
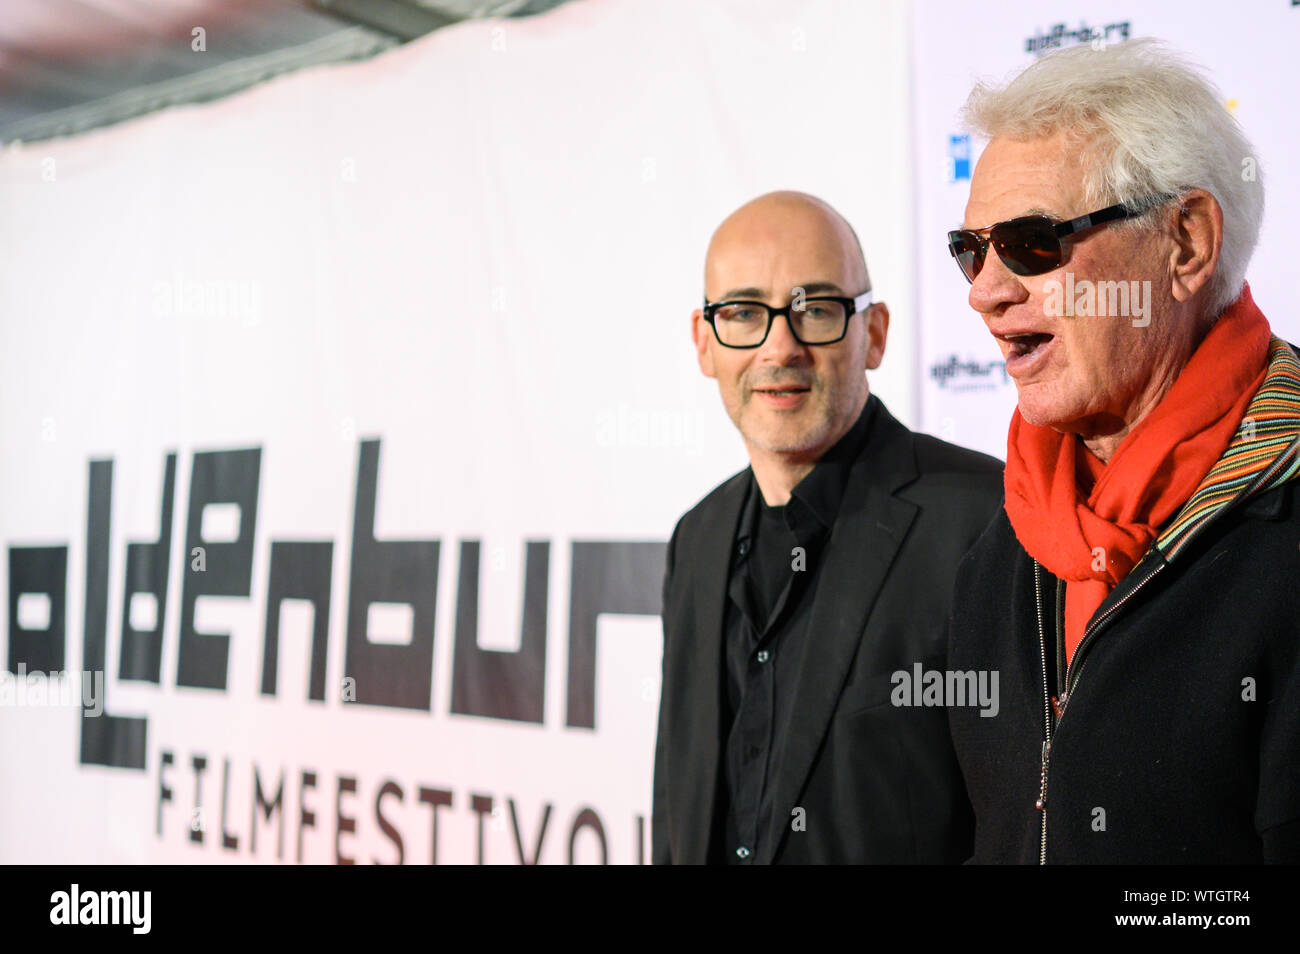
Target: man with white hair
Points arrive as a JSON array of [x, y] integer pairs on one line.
[[1138, 594]]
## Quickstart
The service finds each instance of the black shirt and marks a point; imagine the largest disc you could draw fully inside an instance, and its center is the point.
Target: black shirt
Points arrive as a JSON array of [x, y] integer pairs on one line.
[[771, 586]]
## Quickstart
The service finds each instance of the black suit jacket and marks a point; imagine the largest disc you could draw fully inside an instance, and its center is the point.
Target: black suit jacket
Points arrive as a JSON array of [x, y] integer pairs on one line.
[[876, 782]]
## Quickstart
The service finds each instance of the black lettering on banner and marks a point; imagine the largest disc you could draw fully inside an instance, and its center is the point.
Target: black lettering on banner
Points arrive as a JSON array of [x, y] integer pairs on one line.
[[164, 793], [519, 838], [587, 818], [389, 788], [275, 806], [299, 571], [435, 798], [41, 570], [344, 823], [197, 822], [115, 741], [605, 577], [216, 477], [493, 683], [388, 571], [147, 566], [228, 841], [306, 817], [481, 805]]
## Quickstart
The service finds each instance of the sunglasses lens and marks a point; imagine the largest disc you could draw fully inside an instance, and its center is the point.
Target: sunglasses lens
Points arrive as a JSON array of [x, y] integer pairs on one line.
[[1027, 247], [967, 249]]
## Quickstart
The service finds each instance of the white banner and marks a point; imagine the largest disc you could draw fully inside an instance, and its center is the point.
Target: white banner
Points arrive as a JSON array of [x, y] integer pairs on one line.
[[343, 422]]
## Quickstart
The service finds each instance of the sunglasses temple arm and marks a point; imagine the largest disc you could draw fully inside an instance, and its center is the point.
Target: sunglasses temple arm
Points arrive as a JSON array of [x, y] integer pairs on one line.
[[1120, 211]]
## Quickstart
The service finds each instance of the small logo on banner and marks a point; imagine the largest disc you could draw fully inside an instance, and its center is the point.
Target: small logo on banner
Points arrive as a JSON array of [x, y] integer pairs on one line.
[[968, 375], [1058, 35], [958, 158]]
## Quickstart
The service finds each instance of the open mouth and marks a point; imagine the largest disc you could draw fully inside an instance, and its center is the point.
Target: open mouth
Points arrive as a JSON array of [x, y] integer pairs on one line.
[[1022, 345]]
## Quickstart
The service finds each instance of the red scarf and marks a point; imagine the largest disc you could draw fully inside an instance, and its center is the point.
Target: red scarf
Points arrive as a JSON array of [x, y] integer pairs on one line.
[[1063, 501]]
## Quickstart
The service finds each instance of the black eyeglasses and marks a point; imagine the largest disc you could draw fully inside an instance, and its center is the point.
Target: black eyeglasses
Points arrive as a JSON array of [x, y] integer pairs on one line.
[[821, 320], [1031, 244]]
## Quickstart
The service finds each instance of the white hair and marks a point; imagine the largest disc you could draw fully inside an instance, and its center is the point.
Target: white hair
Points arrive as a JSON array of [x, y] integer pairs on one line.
[[1149, 123]]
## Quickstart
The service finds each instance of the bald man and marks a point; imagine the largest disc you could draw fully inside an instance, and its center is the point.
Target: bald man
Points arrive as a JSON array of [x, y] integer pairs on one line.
[[806, 599]]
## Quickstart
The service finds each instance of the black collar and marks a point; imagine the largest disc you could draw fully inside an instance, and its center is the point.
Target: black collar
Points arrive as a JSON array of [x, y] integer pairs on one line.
[[822, 489]]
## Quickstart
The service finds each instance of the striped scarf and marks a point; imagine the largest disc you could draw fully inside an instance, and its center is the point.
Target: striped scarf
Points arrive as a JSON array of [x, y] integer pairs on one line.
[[1264, 453]]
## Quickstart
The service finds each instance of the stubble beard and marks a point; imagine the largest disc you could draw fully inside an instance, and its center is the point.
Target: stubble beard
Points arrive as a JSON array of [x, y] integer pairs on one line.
[[778, 433]]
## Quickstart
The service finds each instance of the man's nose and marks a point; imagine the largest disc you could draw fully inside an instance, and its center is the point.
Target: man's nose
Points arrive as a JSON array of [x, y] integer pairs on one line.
[[995, 286], [781, 346]]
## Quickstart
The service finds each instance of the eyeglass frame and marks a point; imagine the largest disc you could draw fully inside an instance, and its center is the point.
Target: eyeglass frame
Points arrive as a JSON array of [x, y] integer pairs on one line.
[[852, 306], [1112, 213]]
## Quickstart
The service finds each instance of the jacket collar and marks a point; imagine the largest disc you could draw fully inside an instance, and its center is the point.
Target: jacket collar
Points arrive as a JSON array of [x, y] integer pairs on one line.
[[1263, 454]]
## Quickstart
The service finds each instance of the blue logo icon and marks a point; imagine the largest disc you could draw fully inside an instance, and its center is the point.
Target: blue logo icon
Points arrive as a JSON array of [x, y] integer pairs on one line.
[[958, 158]]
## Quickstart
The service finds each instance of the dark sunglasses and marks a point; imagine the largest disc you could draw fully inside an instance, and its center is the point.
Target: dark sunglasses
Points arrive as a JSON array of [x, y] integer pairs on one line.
[[1031, 244]]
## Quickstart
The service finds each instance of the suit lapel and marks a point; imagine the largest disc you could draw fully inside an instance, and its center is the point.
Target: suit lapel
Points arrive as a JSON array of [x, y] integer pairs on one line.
[[868, 531], [694, 761]]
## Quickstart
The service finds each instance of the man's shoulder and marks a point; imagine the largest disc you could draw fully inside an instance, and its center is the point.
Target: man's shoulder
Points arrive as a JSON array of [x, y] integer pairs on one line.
[[959, 487], [951, 476], [936, 456], [715, 504]]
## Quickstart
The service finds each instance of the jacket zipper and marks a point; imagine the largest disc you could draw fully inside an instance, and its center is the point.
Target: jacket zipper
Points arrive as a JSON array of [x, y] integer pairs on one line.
[[1041, 804], [1088, 636]]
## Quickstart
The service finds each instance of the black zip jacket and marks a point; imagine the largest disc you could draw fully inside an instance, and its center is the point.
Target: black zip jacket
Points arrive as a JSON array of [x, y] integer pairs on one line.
[[1180, 737]]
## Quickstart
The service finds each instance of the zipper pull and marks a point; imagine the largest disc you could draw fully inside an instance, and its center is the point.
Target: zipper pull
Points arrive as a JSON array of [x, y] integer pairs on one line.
[[1041, 804], [1058, 705]]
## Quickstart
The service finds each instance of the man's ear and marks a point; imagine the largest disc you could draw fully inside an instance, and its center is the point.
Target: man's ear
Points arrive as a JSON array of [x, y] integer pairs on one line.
[[877, 331], [1198, 239], [702, 335]]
